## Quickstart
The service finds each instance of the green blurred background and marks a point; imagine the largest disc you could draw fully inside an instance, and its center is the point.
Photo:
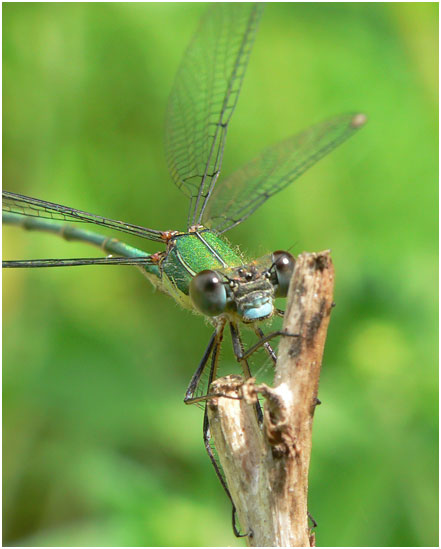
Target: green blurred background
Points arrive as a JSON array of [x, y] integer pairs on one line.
[[98, 447]]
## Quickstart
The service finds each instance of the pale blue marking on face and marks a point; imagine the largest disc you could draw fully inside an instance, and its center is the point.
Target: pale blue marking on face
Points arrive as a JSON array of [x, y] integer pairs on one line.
[[262, 310]]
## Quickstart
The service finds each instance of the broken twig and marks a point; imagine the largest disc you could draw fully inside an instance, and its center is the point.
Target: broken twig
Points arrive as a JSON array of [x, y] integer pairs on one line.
[[266, 469]]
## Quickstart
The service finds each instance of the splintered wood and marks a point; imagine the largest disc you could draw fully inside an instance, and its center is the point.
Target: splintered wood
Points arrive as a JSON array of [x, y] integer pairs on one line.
[[266, 467]]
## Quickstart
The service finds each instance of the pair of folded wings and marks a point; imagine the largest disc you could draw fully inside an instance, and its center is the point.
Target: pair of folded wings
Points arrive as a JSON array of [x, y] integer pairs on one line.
[[201, 104]]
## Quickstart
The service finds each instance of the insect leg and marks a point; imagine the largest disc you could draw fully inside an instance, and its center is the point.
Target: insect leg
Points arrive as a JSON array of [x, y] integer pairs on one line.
[[213, 350], [267, 346], [313, 521], [218, 471], [242, 358], [207, 435], [263, 340], [189, 394]]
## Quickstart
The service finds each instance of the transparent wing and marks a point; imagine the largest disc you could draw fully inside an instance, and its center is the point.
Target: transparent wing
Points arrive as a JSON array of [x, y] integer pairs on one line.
[[203, 99], [33, 207], [238, 196], [78, 261]]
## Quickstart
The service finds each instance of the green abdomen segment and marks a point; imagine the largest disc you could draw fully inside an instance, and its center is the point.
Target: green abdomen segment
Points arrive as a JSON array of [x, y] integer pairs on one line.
[[192, 253], [70, 232]]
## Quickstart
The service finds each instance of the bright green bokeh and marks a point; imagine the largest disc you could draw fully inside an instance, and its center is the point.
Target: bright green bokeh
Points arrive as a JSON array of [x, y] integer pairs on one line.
[[99, 448]]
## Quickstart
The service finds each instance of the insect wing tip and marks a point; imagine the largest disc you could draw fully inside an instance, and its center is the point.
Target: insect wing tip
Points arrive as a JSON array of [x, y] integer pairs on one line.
[[358, 120]]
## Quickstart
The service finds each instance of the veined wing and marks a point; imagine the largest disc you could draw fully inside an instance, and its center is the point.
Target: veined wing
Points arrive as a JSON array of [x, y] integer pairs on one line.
[[140, 261], [33, 207], [238, 196], [203, 99]]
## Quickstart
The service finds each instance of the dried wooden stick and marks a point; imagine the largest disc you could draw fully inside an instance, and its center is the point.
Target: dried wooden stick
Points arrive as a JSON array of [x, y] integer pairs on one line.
[[266, 468]]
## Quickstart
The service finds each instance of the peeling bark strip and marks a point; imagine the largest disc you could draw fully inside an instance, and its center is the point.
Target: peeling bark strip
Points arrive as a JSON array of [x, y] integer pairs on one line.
[[267, 469]]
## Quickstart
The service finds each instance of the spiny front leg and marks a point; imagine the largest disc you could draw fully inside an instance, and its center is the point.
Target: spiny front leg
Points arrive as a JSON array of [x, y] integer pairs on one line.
[[212, 350], [242, 358], [242, 355], [194, 382], [267, 346]]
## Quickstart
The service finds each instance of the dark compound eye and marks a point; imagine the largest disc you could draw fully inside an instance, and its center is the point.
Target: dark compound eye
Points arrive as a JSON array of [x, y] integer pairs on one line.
[[208, 293], [284, 265]]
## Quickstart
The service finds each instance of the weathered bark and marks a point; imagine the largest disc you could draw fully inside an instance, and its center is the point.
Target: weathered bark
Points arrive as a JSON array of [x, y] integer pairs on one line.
[[266, 468]]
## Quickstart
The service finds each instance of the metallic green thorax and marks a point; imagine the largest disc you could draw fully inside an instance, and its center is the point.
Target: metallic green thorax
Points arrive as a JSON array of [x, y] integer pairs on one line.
[[189, 254]]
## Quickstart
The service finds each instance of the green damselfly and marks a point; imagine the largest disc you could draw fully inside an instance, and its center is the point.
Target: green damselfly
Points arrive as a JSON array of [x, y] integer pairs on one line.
[[198, 268]]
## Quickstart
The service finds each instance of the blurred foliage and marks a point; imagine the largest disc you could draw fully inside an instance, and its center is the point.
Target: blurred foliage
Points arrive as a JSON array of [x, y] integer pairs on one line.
[[99, 448]]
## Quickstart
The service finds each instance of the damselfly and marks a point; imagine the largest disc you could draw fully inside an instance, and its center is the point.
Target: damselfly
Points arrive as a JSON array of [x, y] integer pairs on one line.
[[198, 268]]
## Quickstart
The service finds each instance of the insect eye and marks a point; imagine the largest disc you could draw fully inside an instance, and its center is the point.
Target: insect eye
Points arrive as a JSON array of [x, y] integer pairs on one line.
[[284, 264], [208, 293]]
